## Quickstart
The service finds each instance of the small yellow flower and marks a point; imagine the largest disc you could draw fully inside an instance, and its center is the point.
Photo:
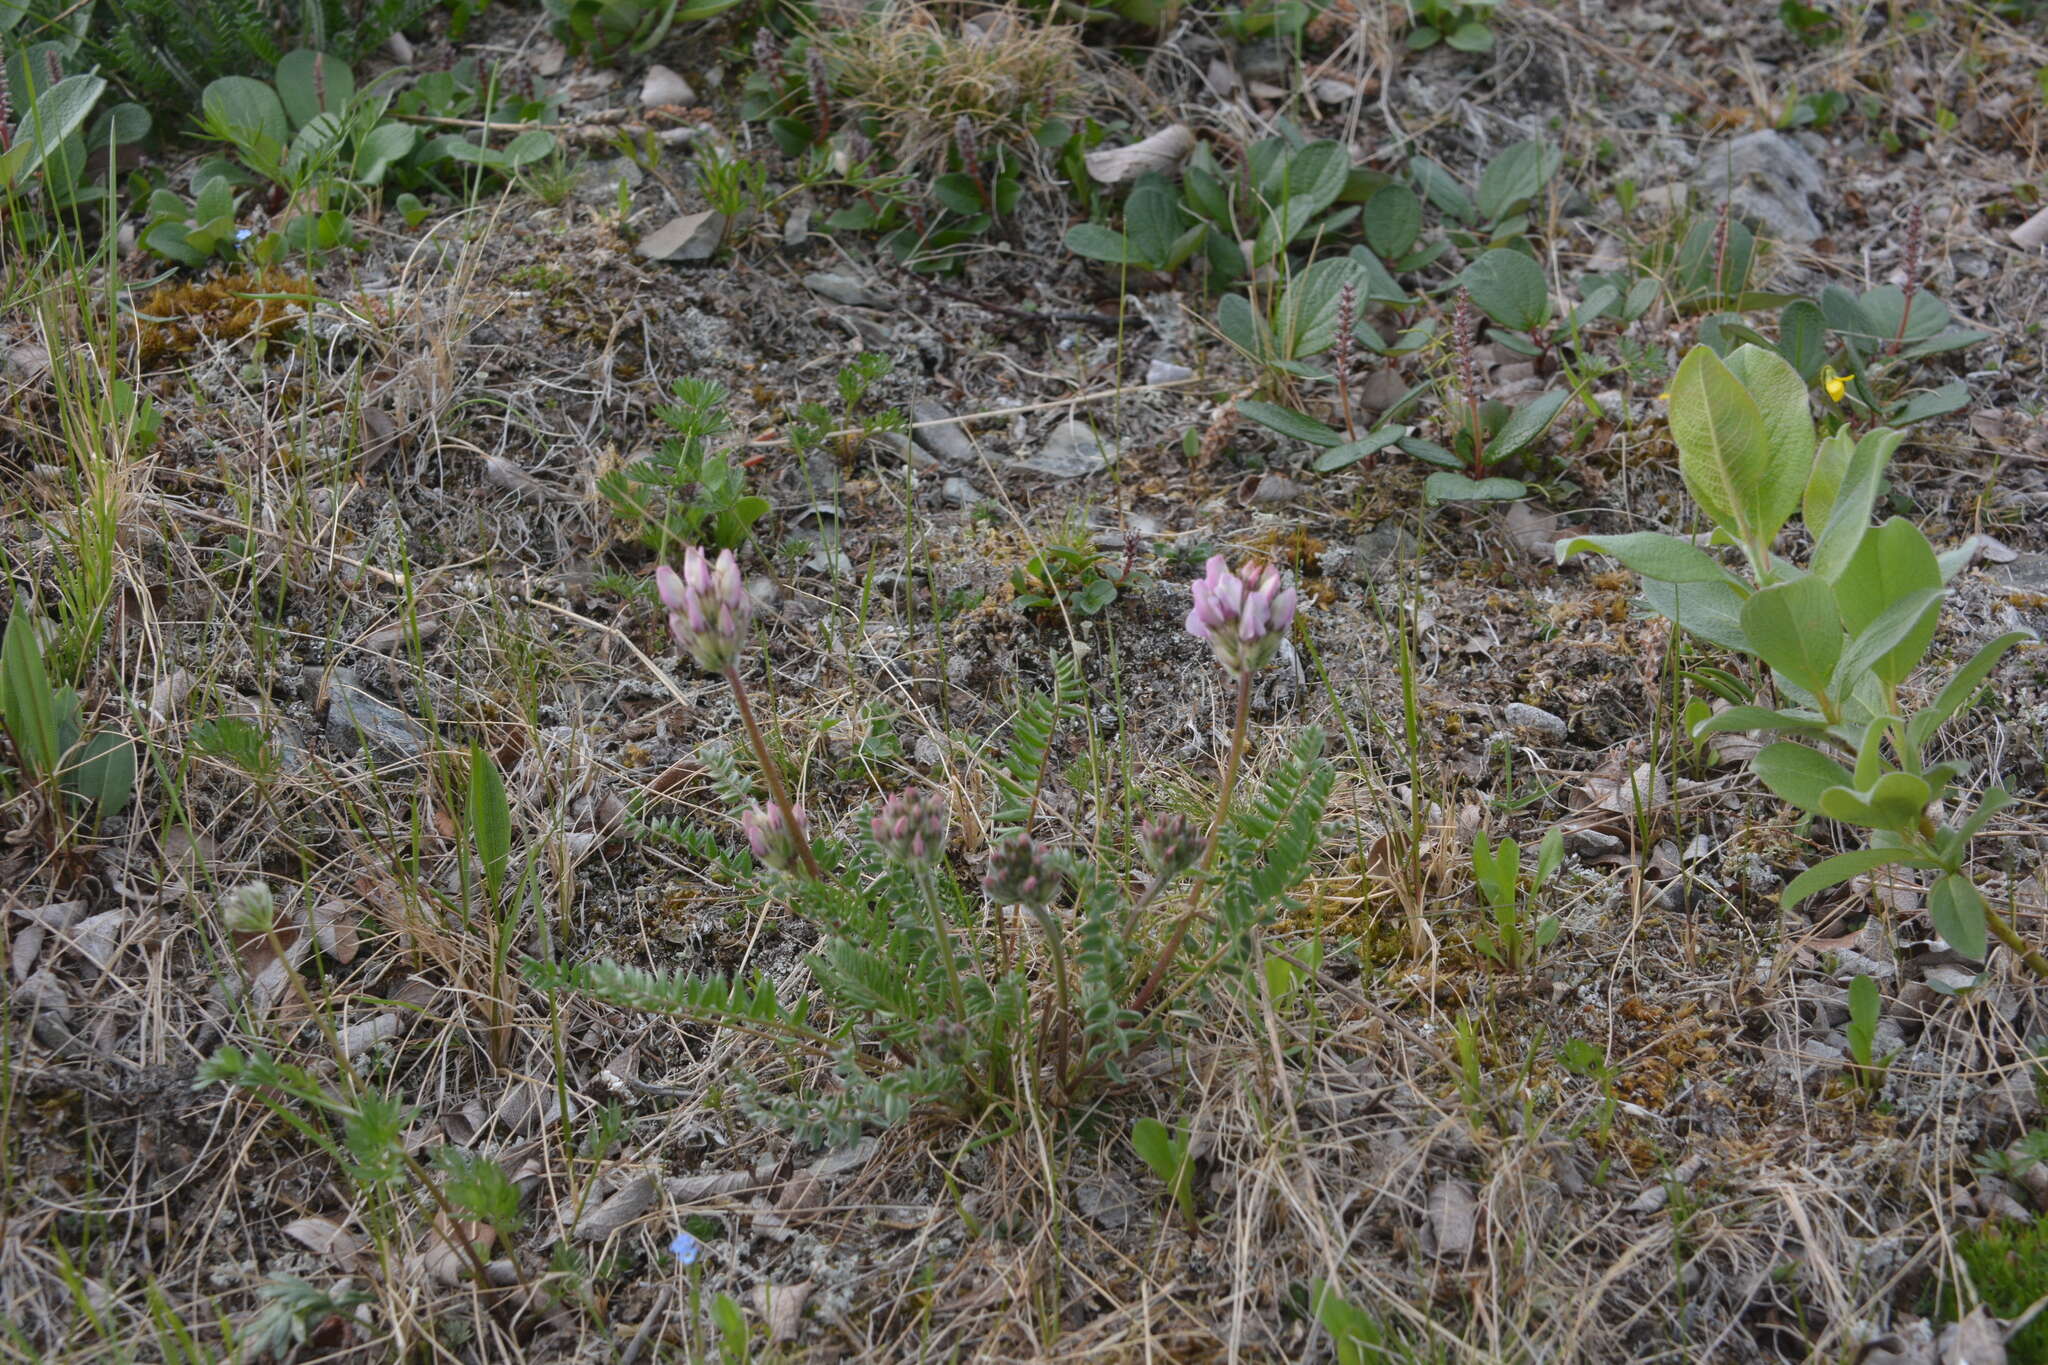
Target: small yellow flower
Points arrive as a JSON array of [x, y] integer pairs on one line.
[[1664, 397], [1835, 384]]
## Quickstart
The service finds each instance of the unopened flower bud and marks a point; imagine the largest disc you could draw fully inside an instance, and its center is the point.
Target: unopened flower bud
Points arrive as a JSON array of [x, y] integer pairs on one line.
[[250, 909], [1243, 615], [1021, 873], [708, 607], [911, 827], [1171, 844], [774, 843]]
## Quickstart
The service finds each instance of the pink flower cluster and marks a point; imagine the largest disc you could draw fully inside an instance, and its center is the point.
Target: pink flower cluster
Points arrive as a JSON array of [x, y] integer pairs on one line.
[[911, 827], [772, 840], [1244, 615], [708, 607]]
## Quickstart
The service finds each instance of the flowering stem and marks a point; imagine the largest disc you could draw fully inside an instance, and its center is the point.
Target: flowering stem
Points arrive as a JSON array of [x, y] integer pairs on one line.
[[776, 792], [1223, 797], [945, 944]]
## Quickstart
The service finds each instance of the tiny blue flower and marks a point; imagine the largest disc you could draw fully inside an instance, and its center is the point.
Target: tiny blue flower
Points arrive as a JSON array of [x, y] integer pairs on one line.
[[686, 1248]]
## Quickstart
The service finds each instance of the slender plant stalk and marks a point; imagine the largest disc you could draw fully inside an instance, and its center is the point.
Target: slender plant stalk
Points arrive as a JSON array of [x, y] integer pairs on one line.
[[776, 791], [1223, 798], [2005, 934]]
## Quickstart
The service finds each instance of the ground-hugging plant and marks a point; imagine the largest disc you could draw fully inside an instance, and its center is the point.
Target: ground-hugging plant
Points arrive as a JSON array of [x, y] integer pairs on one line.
[[1840, 636], [1035, 990]]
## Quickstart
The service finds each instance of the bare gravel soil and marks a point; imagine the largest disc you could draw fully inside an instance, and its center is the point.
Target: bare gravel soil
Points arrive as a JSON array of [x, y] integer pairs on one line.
[[376, 538]]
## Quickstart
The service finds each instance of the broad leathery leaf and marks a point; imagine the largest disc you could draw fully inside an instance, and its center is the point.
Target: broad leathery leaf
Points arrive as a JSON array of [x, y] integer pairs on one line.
[[1392, 221], [1780, 396], [1824, 480], [310, 83], [1893, 561], [1798, 775], [1653, 555], [1448, 486], [1306, 323], [1711, 611], [1288, 422], [1099, 243], [1957, 909], [1847, 517], [1795, 628], [1895, 802], [1515, 177], [1351, 452], [1803, 337], [1524, 425], [1840, 868], [1737, 719], [46, 124], [247, 109], [1889, 648], [1152, 220], [1723, 448], [1510, 288], [1961, 689]]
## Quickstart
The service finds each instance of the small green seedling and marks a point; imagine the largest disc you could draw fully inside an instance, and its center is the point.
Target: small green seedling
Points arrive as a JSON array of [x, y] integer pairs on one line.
[[1510, 935], [1167, 1153], [1868, 1069]]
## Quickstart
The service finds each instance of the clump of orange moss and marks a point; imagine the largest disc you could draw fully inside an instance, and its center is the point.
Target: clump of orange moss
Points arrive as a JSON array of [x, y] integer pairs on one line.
[[172, 319]]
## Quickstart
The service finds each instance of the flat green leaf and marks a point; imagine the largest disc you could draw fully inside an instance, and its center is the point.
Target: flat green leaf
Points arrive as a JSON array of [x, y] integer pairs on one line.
[[1448, 486], [1653, 555], [46, 124], [310, 83], [1288, 422], [102, 772], [1953, 396], [1470, 36], [1797, 774], [1961, 688], [1099, 243], [1723, 447], [1841, 868], [1891, 562], [384, 146], [1957, 909], [1711, 611], [1524, 425], [1392, 221], [1803, 338], [1795, 628], [1510, 288], [248, 111], [1739, 719], [1306, 322], [490, 820], [1351, 452], [28, 705], [1441, 188], [1242, 326], [1895, 803], [1848, 505], [1152, 219], [1781, 398], [1512, 180]]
